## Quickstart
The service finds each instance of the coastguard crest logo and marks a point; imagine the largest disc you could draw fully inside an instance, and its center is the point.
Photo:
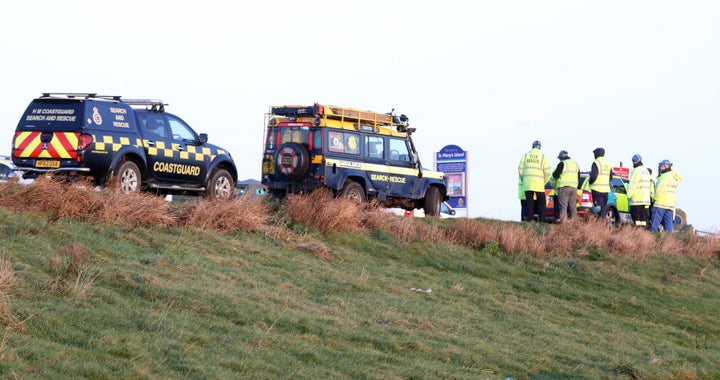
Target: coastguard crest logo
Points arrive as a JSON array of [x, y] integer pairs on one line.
[[96, 116]]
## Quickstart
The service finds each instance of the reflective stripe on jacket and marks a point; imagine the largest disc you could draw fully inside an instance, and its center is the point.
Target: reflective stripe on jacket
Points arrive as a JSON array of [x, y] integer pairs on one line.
[[666, 190], [534, 170], [602, 182], [640, 187], [569, 175]]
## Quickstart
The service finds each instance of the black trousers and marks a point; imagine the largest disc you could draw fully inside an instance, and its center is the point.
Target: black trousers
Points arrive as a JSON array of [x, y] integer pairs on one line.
[[639, 215], [601, 200], [534, 200]]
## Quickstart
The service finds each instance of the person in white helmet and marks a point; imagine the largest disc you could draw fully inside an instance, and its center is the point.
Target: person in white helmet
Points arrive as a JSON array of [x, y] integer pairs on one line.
[[663, 210], [640, 191]]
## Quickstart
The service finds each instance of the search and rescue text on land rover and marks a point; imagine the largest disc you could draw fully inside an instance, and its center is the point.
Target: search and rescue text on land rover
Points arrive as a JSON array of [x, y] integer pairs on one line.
[[358, 154], [127, 143]]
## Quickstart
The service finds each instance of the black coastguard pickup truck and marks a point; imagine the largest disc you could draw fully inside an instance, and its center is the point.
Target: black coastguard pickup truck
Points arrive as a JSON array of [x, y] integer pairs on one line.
[[125, 143]]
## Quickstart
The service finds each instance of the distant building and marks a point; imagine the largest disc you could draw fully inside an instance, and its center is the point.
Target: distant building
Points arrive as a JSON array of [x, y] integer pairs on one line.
[[251, 186]]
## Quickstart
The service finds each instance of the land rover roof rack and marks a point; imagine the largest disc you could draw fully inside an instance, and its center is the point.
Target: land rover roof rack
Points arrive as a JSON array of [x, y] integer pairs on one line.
[[344, 114]]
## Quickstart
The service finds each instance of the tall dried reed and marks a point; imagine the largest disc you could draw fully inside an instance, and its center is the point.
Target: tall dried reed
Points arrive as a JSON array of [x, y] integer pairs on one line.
[[321, 210], [135, 209], [327, 214], [245, 213]]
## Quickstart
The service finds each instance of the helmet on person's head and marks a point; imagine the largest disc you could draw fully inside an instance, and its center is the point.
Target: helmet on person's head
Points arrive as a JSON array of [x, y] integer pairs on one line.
[[563, 155], [536, 144], [599, 152], [665, 162], [636, 158]]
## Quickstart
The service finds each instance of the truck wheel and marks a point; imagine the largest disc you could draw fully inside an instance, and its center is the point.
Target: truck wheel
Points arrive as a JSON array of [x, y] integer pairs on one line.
[[220, 185], [432, 202], [128, 178], [354, 191]]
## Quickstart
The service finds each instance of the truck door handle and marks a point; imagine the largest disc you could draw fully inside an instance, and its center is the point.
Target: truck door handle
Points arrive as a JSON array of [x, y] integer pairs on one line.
[[151, 143]]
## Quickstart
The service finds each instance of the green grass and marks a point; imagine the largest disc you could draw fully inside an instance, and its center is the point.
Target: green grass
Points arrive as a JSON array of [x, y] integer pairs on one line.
[[184, 303]]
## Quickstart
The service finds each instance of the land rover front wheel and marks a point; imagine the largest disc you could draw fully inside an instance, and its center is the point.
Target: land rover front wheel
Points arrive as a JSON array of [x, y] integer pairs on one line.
[[128, 177], [432, 202], [220, 185], [353, 191]]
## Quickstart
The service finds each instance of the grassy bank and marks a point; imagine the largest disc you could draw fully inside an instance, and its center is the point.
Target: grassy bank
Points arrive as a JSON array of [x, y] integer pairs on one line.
[[295, 298]]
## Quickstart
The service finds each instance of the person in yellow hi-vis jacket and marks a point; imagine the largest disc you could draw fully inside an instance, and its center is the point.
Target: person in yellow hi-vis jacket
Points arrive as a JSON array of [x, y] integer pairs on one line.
[[663, 209], [639, 191], [600, 176], [566, 176], [534, 172]]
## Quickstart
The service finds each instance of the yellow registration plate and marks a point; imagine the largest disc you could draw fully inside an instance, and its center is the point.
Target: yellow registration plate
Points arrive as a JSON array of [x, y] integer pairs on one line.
[[51, 164]]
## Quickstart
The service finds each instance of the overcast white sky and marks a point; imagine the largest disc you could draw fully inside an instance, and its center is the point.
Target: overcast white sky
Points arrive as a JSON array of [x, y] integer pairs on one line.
[[490, 76]]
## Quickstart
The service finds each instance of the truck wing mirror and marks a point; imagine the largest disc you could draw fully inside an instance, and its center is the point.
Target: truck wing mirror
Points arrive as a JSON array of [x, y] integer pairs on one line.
[[203, 138]]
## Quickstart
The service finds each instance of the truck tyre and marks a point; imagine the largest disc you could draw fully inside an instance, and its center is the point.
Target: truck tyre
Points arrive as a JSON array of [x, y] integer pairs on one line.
[[220, 185], [292, 160], [432, 202], [353, 191], [127, 177]]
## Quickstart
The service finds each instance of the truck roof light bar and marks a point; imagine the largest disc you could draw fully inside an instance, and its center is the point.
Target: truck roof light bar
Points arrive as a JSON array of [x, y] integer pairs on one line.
[[81, 95], [155, 105]]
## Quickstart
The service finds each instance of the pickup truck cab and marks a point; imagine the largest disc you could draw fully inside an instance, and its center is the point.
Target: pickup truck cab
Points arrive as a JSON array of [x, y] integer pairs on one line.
[[125, 143]]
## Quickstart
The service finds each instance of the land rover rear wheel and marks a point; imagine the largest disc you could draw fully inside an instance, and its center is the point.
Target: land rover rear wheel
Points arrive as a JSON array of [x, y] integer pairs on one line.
[[220, 185], [432, 202], [353, 191], [128, 177]]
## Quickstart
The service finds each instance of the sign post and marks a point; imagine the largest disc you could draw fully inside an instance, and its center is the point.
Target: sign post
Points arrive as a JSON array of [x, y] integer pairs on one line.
[[452, 161]]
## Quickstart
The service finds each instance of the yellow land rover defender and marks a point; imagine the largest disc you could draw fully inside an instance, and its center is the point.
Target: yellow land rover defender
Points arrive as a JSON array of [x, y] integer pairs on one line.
[[358, 154]]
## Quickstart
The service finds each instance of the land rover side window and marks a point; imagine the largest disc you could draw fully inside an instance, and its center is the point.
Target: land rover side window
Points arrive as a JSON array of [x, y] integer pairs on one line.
[[374, 147], [180, 130], [317, 139], [343, 142], [399, 151]]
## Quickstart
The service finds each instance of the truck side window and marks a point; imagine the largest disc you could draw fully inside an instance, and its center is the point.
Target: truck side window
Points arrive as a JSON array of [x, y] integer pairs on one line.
[[180, 130], [156, 126]]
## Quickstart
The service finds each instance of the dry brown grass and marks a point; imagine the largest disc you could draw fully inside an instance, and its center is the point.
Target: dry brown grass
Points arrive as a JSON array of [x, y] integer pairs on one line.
[[246, 213], [320, 210], [135, 209], [67, 263], [316, 248], [472, 233]]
